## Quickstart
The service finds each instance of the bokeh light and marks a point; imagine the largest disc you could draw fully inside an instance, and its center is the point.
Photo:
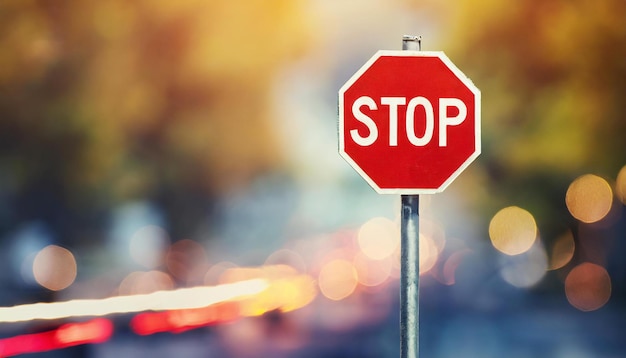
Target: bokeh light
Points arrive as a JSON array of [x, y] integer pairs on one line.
[[562, 251], [396, 263], [145, 282], [527, 269], [434, 231], [378, 238], [588, 287], [513, 230], [370, 272], [620, 185], [450, 266], [337, 279], [127, 286], [147, 246], [589, 198], [429, 253], [54, 268], [214, 274], [287, 257], [187, 261]]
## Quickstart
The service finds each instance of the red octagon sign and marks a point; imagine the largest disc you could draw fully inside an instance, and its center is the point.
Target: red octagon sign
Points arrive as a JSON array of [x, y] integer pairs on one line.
[[409, 122]]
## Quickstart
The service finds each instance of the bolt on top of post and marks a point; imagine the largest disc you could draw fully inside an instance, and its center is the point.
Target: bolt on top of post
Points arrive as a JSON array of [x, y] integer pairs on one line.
[[412, 43]]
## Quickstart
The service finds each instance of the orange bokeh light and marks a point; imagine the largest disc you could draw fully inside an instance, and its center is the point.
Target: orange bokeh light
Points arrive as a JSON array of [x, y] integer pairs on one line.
[[513, 230], [378, 238], [187, 261], [588, 287], [338, 279], [562, 251], [371, 272], [589, 198], [620, 185], [54, 268]]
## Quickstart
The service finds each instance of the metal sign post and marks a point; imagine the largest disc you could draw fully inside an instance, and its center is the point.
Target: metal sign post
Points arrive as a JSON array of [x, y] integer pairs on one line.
[[409, 258], [409, 124]]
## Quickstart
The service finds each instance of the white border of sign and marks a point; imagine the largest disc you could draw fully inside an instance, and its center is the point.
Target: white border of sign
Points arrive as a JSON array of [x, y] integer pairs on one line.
[[460, 75]]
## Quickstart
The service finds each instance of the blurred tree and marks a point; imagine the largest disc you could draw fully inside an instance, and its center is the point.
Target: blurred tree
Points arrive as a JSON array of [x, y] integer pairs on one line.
[[553, 77], [102, 102]]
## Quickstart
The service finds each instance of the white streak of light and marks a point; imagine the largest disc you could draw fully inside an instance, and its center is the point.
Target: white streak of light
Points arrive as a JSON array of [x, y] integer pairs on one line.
[[185, 298]]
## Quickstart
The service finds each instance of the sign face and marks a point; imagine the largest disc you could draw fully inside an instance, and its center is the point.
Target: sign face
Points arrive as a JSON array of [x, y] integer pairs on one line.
[[409, 122]]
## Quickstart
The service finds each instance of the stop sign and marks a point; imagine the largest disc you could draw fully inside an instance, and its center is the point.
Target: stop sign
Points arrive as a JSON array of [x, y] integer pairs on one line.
[[409, 122]]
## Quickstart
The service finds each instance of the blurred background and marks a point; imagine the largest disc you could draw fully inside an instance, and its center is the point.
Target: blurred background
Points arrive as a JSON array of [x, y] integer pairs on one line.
[[170, 182]]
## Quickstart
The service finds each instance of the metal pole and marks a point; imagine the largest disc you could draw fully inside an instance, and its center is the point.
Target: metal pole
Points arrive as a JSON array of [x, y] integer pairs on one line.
[[413, 43], [409, 258]]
